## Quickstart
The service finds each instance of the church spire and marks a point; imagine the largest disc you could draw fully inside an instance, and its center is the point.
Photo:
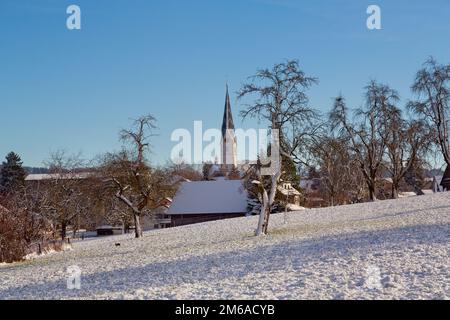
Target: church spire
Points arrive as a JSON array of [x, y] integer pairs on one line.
[[227, 122], [228, 137]]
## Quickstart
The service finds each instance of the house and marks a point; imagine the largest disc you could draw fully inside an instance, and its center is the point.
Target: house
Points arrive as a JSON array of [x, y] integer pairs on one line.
[[158, 218], [200, 201], [291, 196]]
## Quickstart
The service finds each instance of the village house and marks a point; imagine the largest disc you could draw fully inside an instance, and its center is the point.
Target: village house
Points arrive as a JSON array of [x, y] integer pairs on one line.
[[290, 195]]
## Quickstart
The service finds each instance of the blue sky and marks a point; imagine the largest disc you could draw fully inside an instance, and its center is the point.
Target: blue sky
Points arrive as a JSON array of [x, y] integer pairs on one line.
[[74, 90]]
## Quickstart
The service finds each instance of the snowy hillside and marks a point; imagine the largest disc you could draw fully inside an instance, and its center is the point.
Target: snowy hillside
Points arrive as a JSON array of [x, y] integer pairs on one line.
[[388, 249]]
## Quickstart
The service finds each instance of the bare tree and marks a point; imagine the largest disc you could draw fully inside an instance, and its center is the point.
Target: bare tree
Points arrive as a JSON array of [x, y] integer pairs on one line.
[[337, 169], [64, 190], [280, 99], [117, 213], [432, 87], [367, 132], [186, 171], [136, 184], [406, 143]]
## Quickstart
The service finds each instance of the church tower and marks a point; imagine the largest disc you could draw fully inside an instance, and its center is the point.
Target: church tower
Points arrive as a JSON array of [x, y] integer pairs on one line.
[[228, 143]]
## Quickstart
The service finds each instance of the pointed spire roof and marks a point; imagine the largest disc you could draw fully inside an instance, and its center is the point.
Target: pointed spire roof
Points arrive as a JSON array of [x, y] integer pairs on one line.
[[227, 122]]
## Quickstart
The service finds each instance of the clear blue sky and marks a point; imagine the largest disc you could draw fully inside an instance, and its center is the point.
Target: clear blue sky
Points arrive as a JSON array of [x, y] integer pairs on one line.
[[76, 89]]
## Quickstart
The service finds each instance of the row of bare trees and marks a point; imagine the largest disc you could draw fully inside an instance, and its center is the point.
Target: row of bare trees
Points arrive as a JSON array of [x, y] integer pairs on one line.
[[116, 188], [351, 148], [42, 209], [379, 137]]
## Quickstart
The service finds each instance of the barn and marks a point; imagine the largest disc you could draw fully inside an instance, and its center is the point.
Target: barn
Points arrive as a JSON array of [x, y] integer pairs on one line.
[[200, 201]]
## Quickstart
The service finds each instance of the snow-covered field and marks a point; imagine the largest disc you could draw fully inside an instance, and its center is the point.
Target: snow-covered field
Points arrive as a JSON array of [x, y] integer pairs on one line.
[[395, 249]]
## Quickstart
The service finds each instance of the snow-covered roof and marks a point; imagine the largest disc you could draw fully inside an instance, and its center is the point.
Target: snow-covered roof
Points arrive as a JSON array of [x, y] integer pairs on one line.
[[207, 197], [294, 207], [288, 190], [51, 176], [172, 180]]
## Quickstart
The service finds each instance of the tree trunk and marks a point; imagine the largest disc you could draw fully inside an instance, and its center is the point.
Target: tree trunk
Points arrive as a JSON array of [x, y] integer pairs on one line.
[[137, 226], [262, 214], [372, 196], [266, 219], [63, 230], [273, 192], [394, 190]]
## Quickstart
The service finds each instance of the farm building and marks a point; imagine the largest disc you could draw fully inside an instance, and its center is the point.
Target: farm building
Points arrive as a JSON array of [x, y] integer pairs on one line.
[[200, 201]]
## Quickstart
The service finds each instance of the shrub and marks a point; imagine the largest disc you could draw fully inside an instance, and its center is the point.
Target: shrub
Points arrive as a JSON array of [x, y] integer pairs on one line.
[[12, 243]]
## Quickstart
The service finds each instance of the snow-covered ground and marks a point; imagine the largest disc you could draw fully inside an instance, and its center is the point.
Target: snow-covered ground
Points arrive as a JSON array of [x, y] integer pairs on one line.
[[394, 249]]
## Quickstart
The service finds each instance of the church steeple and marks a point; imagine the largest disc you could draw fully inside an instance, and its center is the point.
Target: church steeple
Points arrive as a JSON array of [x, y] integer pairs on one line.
[[227, 122], [228, 137]]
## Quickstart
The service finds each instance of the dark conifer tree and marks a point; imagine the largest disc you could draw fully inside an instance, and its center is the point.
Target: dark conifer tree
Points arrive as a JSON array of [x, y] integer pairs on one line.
[[12, 173]]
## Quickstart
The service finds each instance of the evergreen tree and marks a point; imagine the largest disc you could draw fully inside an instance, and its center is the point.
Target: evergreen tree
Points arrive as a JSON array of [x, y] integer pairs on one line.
[[12, 174]]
